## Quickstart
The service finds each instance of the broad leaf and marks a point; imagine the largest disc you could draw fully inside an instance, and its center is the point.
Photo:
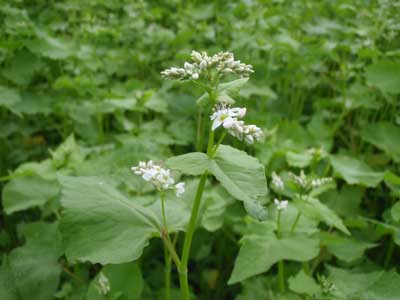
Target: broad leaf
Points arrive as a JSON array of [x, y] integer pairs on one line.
[[313, 208], [242, 175], [355, 171], [261, 249], [377, 285], [26, 192], [302, 283], [345, 248], [125, 282], [385, 76], [9, 97], [195, 163], [100, 225], [384, 136], [31, 272]]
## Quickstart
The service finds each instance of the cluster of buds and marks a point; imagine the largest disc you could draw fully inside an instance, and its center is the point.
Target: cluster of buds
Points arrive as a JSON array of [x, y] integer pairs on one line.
[[222, 63], [229, 118], [327, 287], [277, 182], [308, 184], [281, 205], [103, 285], [161, 178]]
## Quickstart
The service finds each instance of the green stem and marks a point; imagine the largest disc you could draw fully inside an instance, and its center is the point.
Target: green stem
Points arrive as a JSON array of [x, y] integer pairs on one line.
[[218, 143], [281, 276], [183, 276], [183, 269], [167, 256], [389, 253], [296, 221], [167, 259], [281, 265]]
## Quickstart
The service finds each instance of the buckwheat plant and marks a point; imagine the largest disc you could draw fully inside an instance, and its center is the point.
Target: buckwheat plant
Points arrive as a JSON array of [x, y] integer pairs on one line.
[[301, 189], [224, 162]]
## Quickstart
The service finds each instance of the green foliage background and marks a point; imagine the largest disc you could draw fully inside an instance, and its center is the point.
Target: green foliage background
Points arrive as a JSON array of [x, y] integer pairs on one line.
[[81, 95]]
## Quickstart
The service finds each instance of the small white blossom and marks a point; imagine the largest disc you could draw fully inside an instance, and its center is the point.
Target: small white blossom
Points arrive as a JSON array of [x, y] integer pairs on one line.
[[308, 184], [229, 118], [103, 285], [277, 182], [320, 181], [226, 116], [161, 178], [281, 205], [180, 188], [222, 62]]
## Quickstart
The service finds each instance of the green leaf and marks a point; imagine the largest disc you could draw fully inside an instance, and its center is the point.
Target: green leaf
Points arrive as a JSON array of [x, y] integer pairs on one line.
[[377, 285], [125, 281], [100, 225], [313, 208], [385, 76], [355, 171], [299, 160], [395, 211], [242, 175], [26, 192], [22, 67], [345, 202], [393, 182], [9, 97], [345, 248], [384, 136], [195, 163], [46, 45], [302, 283], [261, 249], [31, 272]]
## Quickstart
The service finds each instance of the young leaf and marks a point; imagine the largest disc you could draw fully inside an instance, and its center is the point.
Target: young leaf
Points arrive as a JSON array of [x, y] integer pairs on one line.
[[100, 225]]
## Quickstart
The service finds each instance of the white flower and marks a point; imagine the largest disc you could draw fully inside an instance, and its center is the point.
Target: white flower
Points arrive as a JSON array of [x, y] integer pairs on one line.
[[103, 285], [229, 118], [226, 116], [277, 181], [179, 188], [161, 178], [281, 205], [222, 62]]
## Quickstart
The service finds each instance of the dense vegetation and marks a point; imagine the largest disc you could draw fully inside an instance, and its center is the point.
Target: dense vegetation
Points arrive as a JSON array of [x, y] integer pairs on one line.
[[82, 101]]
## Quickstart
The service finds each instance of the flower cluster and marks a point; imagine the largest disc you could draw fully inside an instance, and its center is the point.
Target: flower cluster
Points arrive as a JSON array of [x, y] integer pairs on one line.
[[222, 62], [308, 184], [281, 205], [229, 118], [161, 178], [277, 182]]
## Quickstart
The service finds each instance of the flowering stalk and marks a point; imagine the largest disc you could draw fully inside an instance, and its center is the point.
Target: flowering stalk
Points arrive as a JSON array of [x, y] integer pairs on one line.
[[280, 206], [206, 71]]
